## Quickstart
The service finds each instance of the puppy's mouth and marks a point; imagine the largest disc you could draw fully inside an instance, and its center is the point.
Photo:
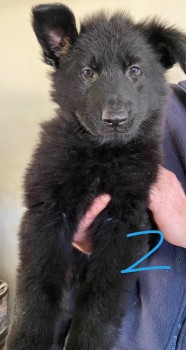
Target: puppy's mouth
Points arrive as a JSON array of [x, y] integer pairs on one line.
[[102, 127], [123, 126], [119, 128]]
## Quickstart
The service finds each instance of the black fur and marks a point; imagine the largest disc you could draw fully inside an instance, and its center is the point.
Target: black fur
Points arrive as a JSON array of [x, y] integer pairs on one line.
[[105, 139]]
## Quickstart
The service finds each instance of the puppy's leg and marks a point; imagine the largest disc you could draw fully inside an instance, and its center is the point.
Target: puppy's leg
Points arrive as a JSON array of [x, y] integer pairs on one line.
[[45, 248], [106, 293], [74, 277]]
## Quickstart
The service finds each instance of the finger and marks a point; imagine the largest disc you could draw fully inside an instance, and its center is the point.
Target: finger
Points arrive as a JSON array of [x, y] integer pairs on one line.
[[84, 247], [95, 209]]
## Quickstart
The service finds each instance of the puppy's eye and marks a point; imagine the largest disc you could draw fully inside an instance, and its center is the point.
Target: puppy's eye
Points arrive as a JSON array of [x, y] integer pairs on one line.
[[88, 72], [135, 71]]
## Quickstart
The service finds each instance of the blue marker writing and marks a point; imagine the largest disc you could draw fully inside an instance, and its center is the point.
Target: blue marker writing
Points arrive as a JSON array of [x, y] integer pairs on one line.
[[132, 267]]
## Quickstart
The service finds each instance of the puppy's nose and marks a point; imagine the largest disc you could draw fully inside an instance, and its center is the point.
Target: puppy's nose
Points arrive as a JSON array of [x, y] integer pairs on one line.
[[114, 118]]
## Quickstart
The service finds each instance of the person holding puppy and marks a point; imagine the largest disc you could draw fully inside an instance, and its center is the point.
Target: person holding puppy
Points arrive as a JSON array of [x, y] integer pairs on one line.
[[159, 309]]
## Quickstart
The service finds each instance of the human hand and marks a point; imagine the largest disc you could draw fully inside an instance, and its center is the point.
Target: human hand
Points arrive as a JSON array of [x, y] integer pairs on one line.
[[168, 206], [82, 240]]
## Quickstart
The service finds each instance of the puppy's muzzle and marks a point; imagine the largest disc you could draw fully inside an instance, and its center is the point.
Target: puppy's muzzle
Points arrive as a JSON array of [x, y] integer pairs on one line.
[[114, 119]]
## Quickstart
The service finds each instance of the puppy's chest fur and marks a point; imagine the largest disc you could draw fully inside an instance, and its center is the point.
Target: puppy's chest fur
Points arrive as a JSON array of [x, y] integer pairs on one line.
[[70, 172], [124, 173]]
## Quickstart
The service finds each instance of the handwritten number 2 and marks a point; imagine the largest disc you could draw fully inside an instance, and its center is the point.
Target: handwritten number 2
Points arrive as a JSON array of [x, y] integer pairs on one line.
[[133, 268]]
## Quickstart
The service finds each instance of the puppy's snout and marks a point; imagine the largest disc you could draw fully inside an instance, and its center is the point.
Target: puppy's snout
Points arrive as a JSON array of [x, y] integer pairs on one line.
[[114, 118]]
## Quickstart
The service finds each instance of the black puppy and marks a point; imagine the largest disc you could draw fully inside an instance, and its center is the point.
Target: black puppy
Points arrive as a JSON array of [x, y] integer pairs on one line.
[[109, 83]]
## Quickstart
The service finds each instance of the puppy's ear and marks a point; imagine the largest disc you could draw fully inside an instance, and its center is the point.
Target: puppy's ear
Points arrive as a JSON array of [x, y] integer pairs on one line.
[[55, 28], [168, 42]]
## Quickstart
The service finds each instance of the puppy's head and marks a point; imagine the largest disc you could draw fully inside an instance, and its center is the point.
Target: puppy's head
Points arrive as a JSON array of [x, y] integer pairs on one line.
[[110, 76]]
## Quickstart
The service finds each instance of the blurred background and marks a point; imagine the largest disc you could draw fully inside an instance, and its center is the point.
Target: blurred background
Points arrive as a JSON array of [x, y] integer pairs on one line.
[[25, 102]]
